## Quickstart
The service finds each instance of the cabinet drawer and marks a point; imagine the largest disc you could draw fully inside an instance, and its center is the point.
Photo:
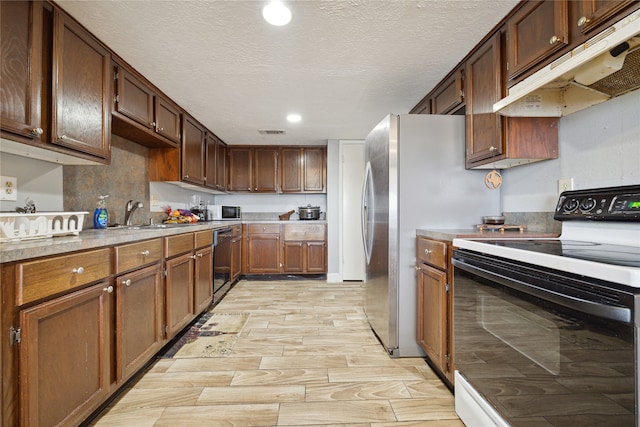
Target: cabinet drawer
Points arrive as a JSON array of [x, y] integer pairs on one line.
[[433, 253], [137, 254], [263, 228], [304, 232], [203, 238], [40, 279], [236, 230], [180, 244]]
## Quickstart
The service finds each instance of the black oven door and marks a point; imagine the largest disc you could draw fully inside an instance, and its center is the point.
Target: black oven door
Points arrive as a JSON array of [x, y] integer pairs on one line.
[[222, 263], [542, 347]]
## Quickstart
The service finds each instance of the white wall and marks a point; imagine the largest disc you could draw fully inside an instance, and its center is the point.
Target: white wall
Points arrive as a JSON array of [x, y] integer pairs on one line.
[[598, 147], [38, 180], [333, 210]]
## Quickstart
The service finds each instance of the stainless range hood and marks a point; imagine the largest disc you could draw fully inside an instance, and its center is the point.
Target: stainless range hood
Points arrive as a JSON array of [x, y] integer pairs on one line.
[[603, 67]]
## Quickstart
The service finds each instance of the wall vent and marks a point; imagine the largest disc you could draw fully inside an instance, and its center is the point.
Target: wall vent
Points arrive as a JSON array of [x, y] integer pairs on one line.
[[271, 132]]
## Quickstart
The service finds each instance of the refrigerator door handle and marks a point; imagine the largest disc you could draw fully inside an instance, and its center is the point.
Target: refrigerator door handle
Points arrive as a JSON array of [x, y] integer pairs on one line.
[[367, 209]]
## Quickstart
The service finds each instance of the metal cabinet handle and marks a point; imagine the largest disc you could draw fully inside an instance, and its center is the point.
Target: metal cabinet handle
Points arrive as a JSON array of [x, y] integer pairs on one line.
[[583, 21], [160, 129], [428, 252], [153, 124], [127, 282], [417, 268], [200, 255], [108, 289], [37, 131], [62, 137], [554, 40], [78, 270], [145, 253], [186, 177], [492, 148], [192, 257]]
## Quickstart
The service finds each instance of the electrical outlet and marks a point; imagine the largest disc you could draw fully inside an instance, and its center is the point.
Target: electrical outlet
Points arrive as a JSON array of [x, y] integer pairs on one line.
[[8, 188], [155, 201], [565, 184]]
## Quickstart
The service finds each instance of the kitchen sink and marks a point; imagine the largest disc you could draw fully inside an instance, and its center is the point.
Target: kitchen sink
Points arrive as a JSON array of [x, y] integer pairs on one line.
[[138, 226]]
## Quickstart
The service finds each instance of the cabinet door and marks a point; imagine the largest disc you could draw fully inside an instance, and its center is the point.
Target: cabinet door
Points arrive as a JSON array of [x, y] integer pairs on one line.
[[240, 169], [65, 357], [178, 294], [203, 275], [484, 128], [265, 170], [316, 257], [20, 76], [291, 170], [314, 170], [193, 150], [264, 253], [236, 257], [221, 166], [432, 314], [293, 257], [139, 319], [594, 13], [449, 95], [537, 30], [167, 119], [135, 99], [211, 161], [81, 111]]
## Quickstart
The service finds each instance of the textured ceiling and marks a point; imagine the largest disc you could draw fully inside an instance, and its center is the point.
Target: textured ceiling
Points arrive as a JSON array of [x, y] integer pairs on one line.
[[342, 65]]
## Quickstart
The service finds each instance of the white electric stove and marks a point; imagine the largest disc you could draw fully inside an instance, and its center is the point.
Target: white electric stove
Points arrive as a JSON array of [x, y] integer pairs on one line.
[[546, 330]]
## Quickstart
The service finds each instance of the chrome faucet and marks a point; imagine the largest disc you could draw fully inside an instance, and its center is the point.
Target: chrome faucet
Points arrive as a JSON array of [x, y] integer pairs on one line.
[[130, 209]]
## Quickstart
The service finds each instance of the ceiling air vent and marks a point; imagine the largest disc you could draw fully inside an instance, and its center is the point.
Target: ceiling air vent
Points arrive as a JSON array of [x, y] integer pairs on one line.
[[270, 132]]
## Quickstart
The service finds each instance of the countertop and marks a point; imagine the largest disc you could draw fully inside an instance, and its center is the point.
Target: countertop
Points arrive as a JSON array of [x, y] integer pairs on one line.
[[92, 238], [461, 233]]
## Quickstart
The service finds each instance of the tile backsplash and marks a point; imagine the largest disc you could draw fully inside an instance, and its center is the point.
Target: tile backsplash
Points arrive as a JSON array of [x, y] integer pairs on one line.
[[126, 178]]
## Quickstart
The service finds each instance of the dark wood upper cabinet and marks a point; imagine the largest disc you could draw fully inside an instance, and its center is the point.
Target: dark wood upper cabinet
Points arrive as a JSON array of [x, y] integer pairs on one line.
[[240, 169], [493, 141], [20, 76], [534, 32], [253, 169], [81, 111], [141, 114], [483, 89], [303, 169], [449, 95], [193, 151], [593, 13]]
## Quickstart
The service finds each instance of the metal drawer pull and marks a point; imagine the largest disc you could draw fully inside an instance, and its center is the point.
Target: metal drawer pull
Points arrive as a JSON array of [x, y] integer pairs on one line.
[[583, 21], [78, 270], [427, 252], [37, 131], [108, 289], [127, 282], [200, 255], [554, 40], [145, 253]]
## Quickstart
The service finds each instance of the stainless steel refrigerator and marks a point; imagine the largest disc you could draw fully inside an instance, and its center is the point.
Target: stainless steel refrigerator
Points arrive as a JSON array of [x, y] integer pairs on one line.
[[414, 179]]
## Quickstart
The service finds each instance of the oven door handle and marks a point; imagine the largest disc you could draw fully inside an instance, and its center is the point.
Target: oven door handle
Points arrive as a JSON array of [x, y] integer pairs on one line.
[[619, 314]]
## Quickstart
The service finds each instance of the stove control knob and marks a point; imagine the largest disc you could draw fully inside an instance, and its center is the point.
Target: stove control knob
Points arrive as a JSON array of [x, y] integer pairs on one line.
[[587, 205], [570, 205]]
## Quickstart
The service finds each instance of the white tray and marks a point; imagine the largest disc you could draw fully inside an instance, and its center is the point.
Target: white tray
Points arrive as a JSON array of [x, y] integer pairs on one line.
[[20, 226]]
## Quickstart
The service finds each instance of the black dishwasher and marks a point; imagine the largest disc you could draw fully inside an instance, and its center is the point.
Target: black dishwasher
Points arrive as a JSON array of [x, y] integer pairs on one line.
[[221, 262]]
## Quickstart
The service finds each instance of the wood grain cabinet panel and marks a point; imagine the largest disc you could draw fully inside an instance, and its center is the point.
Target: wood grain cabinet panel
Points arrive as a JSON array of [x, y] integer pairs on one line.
[[304, 248], [263, 251], [139, 318], [179, 310], [193, 151], [203, 270], [44, 278], [536, 31], [449, 95], [594, 13], [303, 169], [240, 169], [20, 83], [136, 255], [81, 90], [434, 321], [65, 357]]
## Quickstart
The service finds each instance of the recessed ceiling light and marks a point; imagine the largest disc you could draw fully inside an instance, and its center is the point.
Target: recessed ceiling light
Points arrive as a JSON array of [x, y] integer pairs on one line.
[[276, 13], [294, 118]]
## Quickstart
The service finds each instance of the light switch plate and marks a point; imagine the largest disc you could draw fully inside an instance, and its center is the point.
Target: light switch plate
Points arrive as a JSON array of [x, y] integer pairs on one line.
[[8, 188]]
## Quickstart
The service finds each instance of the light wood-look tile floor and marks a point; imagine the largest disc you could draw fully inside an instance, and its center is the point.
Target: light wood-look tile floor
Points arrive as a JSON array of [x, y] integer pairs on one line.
[[306, 357]]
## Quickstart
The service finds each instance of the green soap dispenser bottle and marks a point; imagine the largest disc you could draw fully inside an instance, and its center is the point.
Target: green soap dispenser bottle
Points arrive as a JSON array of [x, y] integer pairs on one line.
[[100, 215]]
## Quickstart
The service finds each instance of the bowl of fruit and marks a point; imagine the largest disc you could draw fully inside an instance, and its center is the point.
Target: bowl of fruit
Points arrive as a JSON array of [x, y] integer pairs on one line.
[[179, 216]]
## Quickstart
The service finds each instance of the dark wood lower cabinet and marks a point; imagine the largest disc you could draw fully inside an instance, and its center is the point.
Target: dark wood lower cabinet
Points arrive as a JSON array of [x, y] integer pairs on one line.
[[139, 319], [179, 293], [65, 357], [203, 275]]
